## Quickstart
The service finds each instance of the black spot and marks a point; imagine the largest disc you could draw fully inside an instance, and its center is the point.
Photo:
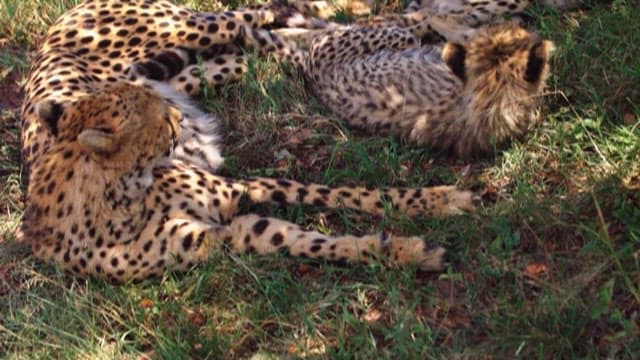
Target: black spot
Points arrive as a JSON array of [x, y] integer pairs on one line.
[[213, 28], [260, 226], [277, 239], [279, 197], [319, 202], [134, 41], [302, 192], [147, 246], [187, 241], [104, 43], [114, 262]]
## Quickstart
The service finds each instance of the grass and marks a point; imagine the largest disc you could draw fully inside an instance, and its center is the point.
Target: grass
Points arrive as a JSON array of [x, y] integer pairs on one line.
[[548, 268]]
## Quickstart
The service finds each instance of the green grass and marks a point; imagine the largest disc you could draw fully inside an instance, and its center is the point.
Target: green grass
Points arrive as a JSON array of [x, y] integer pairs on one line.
[[549, 268]]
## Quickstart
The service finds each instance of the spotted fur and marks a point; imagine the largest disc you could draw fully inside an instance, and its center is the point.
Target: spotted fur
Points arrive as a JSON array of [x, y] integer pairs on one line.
[[467, 97], [121, 183]]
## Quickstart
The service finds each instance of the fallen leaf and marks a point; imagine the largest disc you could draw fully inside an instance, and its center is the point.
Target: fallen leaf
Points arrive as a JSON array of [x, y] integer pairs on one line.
[[308, 270], [146, 303], [535, 269], [197, 318], [469, 276], [304, 268], [372, 315], [629, 119]]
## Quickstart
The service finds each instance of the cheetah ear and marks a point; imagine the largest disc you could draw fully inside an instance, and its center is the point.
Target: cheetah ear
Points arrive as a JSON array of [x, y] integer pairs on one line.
[[536, 62], [49, 112], [98, 140], [454, 56]]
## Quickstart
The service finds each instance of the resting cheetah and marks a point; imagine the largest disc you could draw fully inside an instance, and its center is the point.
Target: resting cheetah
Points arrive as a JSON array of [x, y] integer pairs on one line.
[[467, 98], [473, 12], [120, 164]]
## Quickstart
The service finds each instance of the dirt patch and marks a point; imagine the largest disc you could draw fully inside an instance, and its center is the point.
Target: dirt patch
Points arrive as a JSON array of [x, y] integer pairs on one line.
[[11, 93]]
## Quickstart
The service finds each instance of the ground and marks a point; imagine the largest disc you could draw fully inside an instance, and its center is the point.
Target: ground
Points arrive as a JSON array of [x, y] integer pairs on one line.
[[549, 267]]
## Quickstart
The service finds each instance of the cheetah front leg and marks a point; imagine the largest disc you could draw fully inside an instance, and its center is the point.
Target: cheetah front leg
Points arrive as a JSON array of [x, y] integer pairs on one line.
[[222, 69], [428, 201]]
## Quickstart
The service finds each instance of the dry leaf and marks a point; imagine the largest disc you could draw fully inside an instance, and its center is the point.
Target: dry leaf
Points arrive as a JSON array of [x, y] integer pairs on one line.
[[198, 319], [146, 303], [535, 269], [372, 315], [629, 119], [308, 270]]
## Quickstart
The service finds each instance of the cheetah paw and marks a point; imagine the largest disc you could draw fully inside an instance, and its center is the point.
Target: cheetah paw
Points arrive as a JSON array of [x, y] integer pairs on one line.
[[460, 201], [448, 200], [416, 250]]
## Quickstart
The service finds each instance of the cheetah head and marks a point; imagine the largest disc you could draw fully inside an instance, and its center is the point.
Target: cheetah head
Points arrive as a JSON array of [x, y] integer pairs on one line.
[[119, 129], [503, 55], [503, 69]]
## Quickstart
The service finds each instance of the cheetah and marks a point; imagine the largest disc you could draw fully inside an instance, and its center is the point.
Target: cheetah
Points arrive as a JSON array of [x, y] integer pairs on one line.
[[472, 12], [121, 164], [466, 98]]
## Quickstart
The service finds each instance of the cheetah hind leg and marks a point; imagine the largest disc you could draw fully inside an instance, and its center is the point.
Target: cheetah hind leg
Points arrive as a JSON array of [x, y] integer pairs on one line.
[[254, 234]]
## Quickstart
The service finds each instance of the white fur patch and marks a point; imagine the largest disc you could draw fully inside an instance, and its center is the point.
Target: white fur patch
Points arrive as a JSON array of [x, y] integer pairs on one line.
[[198, 142]]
